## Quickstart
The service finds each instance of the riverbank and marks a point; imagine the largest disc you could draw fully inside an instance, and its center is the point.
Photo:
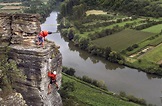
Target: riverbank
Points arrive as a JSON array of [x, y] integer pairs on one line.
[[113, 56], [91, 95]]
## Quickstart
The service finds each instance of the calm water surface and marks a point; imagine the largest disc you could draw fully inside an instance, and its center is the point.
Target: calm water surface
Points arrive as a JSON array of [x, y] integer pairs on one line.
[[116, 77]]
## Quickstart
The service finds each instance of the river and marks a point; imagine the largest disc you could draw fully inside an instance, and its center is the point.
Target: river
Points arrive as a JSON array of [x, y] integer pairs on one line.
[[116, 77]]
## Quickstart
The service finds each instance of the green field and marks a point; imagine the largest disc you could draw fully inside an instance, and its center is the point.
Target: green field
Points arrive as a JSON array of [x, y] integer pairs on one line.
[[122, 40], [154, 55], [93, 96], [154, 29], [121, 24], [154, 41]]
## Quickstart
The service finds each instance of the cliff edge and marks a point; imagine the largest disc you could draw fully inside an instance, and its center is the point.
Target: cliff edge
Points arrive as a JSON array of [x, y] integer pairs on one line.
[[18, 31]]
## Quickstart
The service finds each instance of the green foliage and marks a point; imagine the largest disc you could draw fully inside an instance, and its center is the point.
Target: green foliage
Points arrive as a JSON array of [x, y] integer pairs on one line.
[[123, 94], [39, 7], [130, 48], [87, 79], [67, 7], [69, 71], [70, 35], [136, 100], [68, 100], [135, 46], [83, 43], [122, 40], [10, 73], [93, 96]]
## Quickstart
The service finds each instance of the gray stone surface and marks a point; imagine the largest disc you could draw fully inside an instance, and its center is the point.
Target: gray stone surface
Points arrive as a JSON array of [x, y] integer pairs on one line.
[[18, 33], [14, 99]]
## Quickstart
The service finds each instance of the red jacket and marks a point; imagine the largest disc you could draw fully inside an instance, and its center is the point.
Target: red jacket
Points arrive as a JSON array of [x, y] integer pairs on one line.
[[43, 33], [51, 75]]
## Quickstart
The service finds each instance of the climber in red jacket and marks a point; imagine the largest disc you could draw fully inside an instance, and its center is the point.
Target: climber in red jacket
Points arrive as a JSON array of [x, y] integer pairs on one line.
[[52, 76], [41, 37], [44, 33]]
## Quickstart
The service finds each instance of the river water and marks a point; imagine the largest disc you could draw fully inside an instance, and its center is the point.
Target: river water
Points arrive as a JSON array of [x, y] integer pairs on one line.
[[116, 77]]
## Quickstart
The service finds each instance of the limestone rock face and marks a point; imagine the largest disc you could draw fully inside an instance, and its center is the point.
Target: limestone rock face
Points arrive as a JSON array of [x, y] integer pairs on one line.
[[14, 99], [24, 26], [17, 33], [5, 30], [35, 63]]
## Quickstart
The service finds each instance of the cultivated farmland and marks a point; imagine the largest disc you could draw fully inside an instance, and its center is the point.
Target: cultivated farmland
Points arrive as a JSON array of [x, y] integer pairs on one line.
[[153, 55], [154, 29], [122, 40]]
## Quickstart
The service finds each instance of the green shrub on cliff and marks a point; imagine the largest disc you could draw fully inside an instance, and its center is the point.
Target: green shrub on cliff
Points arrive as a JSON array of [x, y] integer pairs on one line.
[[10, 74]]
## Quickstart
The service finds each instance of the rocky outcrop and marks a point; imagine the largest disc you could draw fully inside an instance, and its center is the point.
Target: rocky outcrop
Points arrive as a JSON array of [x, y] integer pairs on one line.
[[14, 99], [17, 33]]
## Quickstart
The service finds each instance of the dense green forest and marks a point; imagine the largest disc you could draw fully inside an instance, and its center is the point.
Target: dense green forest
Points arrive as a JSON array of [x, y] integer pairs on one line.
[[130, 7]]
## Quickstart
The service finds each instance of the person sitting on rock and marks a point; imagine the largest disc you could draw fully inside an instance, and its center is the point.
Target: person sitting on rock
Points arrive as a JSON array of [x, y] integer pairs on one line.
[[41, 37], [52, 76]]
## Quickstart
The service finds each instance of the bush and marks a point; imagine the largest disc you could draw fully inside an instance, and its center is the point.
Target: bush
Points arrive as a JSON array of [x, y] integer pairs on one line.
[[87, 79], [121, 62], [65, 90], [136, 100], [123, 94], [10, 73], [130, 48], [69, 71], [135, 46], [139, 60]]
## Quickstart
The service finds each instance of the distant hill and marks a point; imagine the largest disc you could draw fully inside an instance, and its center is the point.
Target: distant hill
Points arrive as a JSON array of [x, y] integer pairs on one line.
[[151, 8]]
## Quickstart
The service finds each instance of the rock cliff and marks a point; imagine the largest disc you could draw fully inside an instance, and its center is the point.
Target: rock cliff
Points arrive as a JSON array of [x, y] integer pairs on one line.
[[18, 31]]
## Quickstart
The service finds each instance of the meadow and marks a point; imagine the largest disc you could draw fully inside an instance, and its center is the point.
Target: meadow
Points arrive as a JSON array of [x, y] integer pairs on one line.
[[122, 40], [154, 29], [153, 55], [93, 96]]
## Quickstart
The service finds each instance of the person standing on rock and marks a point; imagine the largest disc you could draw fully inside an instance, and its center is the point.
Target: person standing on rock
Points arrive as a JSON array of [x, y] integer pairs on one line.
[[52, 76], [41, 37]]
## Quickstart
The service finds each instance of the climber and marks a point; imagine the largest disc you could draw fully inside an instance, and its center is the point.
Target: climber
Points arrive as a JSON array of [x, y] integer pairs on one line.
[[44, 33], [41, 37], [52, 76]]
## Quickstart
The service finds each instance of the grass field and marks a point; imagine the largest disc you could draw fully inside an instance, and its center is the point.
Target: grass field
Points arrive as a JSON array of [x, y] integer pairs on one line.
[[154, 29], [155, 55], [122, 40], [93, 96], [148, 42], [121, 24]]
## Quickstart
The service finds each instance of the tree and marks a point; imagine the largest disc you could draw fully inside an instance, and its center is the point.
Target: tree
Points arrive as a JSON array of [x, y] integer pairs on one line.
[[83, 43], [107, 52], [10, 73], [79, 11], [70, 34]]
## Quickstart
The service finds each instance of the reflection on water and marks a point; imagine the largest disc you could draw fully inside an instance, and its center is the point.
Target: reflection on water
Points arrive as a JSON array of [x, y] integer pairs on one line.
[[151, 76], [116, 77], [84, 55]]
